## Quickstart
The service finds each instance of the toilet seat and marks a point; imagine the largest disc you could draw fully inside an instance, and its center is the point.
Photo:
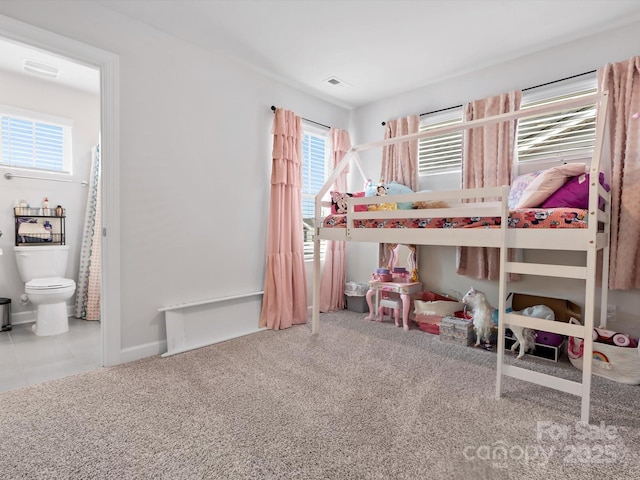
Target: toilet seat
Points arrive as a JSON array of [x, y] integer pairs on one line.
[[51, 283]]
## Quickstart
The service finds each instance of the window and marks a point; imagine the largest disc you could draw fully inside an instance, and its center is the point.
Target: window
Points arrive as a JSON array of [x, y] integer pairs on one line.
[[35, 141], [314, 174], [566, 135], [442, 153]]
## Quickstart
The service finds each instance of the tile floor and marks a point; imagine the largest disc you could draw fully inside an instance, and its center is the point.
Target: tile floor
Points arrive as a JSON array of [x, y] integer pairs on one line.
[[26, 359]]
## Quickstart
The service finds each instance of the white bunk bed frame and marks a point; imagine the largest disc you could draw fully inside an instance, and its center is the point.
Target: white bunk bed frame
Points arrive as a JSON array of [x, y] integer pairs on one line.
[[591, 240]]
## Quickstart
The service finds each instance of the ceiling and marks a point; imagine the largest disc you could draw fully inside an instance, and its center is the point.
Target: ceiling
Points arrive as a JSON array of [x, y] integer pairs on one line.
[[71, 74], [379, 48]]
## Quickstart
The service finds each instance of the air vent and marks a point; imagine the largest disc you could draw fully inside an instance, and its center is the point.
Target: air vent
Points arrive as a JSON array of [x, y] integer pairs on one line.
[[336, 82], [39, 68]]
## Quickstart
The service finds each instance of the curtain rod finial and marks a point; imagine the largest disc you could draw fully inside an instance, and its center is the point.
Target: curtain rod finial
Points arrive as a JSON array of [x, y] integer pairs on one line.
[[273, 108], [384, 123]]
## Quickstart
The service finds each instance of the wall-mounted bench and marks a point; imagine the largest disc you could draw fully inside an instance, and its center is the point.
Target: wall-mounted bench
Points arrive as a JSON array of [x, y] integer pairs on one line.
[[198, 324]]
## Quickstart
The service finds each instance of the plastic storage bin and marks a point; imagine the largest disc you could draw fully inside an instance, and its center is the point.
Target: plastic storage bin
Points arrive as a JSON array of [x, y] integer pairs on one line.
[[356, 296]]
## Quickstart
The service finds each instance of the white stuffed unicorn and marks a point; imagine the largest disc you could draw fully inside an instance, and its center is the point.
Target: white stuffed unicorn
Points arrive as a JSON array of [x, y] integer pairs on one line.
[[485, 316]]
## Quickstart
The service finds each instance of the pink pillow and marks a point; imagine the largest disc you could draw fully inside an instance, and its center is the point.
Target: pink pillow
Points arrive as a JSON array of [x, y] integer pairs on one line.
[[339, 202], [574, 193], [547, 183]]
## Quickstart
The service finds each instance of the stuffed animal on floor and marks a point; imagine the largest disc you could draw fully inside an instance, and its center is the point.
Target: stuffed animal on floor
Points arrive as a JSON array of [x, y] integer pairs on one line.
[[430, 204], [482, 314], [485, 316]]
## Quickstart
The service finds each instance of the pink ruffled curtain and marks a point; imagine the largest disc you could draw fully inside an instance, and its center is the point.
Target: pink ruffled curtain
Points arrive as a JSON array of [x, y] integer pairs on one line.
[[334, 271], [285, 285], [400, 160], [622, 80], [488, 160]]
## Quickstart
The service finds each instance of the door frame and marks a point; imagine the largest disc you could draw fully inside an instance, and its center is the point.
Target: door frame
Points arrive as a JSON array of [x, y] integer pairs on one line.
[[109, 65]]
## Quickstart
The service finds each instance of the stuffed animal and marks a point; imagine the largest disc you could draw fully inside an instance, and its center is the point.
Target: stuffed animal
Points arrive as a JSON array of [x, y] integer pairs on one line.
[[485, 316], [377, 207], [482, 314], [430, 204]]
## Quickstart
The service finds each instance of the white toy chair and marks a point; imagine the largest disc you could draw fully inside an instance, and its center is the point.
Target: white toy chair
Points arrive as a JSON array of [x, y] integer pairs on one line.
[[390, 303]]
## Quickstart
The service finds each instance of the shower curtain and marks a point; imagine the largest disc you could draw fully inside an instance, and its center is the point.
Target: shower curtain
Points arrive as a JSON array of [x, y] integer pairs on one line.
[[89, 276]]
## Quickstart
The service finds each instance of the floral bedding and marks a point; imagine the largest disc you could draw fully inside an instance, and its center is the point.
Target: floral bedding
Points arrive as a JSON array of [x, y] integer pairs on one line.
[[518, 218]]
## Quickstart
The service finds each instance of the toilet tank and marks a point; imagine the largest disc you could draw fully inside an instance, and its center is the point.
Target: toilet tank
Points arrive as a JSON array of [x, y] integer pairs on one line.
[[41, 261]]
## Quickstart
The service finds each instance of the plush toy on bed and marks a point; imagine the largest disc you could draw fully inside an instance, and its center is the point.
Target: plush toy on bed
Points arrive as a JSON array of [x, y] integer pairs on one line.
[[381, 191], [430, 204]]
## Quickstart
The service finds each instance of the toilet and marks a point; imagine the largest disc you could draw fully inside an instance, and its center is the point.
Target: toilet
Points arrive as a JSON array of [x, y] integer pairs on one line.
[[42, 269]]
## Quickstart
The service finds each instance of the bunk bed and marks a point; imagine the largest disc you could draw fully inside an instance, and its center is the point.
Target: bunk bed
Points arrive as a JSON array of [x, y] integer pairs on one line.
[[484, 219]]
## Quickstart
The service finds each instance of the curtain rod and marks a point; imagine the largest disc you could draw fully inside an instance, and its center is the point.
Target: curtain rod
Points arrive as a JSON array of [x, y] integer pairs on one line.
[[273, 109], [524, 90], [10, 176]]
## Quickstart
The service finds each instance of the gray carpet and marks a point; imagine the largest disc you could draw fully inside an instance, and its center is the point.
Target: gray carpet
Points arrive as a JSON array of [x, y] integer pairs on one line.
[[361, 400]]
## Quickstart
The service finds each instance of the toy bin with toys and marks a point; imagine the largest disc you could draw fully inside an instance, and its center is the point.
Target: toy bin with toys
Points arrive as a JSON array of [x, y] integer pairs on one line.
[[431, 308], [616, 356]]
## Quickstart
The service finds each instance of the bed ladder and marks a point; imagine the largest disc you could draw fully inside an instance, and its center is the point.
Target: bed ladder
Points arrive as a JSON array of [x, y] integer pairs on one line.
[[581, 389], [596, 241]]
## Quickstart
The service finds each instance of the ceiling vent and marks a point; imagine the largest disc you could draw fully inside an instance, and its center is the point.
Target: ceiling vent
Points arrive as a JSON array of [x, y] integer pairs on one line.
[[42, 69], [336, 82]]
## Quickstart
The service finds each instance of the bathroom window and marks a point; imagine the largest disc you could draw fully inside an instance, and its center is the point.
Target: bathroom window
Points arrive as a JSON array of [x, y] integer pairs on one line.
[[34, 141]]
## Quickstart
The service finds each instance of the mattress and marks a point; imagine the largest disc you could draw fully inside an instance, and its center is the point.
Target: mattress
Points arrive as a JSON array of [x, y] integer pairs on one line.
[[520, 218]]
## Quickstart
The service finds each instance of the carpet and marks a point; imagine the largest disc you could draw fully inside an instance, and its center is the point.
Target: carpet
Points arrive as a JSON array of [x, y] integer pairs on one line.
[[360, 400]]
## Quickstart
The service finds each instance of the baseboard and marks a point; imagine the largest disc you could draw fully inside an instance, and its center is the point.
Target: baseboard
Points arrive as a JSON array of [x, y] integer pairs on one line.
[[139, 352], [19, 318]]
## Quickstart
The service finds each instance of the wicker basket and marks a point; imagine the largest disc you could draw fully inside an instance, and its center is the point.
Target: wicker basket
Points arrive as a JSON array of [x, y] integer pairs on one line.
[[621, 364]]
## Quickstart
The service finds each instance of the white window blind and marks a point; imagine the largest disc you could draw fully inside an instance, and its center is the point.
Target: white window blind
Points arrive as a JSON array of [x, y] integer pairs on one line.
[[27, 141], [442, 153], [314, 175], [566, 135]]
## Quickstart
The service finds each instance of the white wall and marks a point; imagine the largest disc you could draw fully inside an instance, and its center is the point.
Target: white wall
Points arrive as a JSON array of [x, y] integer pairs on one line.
[[194, 165], [84, 109], [437, 264]]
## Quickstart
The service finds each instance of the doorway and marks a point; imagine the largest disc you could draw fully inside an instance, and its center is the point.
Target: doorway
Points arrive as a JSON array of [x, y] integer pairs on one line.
[[107, 64]]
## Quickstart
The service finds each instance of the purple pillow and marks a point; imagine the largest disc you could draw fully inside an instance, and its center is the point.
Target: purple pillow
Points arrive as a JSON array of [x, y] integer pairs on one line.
[[574, 193]]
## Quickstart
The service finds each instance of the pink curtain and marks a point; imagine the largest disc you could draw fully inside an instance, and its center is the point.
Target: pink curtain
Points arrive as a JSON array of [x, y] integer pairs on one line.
[[622, 80], [488, 160], [400, 160], [334, 272], [285, 286]]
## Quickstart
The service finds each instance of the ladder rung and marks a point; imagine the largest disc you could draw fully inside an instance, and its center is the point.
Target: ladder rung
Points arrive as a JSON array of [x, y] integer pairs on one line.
[[546, 270], [568, 386], [561, 328]]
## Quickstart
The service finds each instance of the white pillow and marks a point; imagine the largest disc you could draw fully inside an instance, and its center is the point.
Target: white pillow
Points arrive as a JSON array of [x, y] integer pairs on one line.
[[547, 183]]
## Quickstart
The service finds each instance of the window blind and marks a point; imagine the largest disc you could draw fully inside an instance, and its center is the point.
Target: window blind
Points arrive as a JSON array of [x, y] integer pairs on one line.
[[442, 153], [565, 134], [557, 135], [314, 174], [30, 144]]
